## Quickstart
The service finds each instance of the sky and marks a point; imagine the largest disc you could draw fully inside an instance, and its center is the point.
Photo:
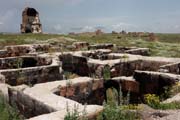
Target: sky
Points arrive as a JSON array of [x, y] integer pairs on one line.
[[64, 16]]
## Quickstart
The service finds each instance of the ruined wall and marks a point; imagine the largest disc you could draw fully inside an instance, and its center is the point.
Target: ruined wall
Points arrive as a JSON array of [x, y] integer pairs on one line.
[[30, 21], [91, 92], [20, 50], [23, 62], [127, 68], [75, 64], [33, 75], [154, 82], [28, 106], [171, 68]]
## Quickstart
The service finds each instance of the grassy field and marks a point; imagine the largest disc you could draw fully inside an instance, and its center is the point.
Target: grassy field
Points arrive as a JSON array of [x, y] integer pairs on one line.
[[167, 45], [17, 39]]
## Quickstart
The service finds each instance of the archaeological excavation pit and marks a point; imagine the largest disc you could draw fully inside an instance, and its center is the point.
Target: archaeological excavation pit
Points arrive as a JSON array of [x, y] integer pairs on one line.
[[100, 55], [40, 100], [29, 70], [88, 92], [90, 63], [48, 93], [95, 91]]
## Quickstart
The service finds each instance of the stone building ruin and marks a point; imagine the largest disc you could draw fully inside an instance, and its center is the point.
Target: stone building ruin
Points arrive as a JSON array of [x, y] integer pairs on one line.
[[36, 80], [30, 21]]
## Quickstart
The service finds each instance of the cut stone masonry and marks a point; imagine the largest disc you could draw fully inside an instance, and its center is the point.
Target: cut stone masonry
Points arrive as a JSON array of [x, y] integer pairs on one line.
[[34, 79]]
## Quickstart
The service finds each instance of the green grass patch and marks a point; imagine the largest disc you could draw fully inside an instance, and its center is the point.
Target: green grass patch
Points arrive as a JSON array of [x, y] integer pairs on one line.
[[117, 113], [7, 112], [18, 39], [169, 38]]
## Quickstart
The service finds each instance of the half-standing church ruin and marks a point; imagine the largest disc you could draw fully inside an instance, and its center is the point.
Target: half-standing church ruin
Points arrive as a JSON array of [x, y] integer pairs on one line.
[[30, 21]]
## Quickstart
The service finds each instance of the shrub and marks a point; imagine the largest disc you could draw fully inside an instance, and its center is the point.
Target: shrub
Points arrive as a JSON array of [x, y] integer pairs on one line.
[[152, 100], [74, 115], [114, 112]]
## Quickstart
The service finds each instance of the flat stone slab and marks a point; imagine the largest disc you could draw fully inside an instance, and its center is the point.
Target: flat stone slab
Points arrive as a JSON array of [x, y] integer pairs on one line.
[[139, 51]]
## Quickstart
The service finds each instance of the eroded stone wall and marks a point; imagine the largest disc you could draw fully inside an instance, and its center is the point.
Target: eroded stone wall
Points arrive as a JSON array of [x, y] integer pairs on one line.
[[48, 95], [30, 21], [91, 92]]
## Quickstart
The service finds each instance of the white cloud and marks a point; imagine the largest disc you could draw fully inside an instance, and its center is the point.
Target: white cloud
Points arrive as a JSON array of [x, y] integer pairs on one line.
[[124, 26], [58, 27], [9, 22], [121, 25], [7, 16], [176, 26], [62, 16], [54, 2], [74, 2], [87, 29]]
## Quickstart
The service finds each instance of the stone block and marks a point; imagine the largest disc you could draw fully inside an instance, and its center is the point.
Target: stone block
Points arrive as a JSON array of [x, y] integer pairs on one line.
[[171, 68], [154, 82], [102, 46], [80, 45], [139, 51], [32, 75], [128, 84]]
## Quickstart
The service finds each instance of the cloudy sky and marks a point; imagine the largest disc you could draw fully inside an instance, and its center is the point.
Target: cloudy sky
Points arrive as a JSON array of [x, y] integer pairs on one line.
[[63, 16]]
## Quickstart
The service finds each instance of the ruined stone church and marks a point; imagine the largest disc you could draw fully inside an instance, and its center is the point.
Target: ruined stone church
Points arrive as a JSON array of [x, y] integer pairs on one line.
[[30, 21]]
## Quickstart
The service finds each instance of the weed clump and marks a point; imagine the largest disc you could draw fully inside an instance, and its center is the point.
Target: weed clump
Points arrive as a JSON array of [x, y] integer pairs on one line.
[[75, 114], [154, 101], [112, 111]]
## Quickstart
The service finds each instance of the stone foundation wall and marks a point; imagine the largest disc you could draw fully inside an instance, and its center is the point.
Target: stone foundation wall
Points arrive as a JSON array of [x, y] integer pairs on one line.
[[139, 51], [20, 50], [101, 46], [154, 82], [22, 62], [3, 53], [127, 68], [80, 45], [38, 100], [27, 105], [122, 67], [90, 92], [31, 76], [76, 64], [171, 68]]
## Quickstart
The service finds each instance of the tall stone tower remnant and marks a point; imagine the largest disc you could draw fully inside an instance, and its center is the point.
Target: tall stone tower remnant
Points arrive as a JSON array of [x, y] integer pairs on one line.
[[30, 21]]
